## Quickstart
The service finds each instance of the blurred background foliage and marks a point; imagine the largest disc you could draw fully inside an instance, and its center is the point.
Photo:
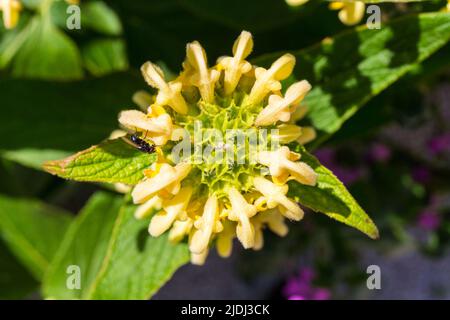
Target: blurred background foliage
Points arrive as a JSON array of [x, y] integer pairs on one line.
[[61, 90]]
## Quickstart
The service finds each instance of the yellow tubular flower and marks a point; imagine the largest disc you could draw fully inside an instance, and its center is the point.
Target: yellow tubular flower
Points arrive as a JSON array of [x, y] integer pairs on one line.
[[241, 211], [171, 210], [208, 200], [274, 221], [235, 66], [147, 208], [206, 225], [168, 178], [275, 195], [282, 166], [169, 93], [278, 108], [224, 243], [199, 258], [269, 80], [350, 13], [295, 3], [180, 229], [158, 129], [11, 10], [204, 79], [298, 113], [308, 134], [288, 133]]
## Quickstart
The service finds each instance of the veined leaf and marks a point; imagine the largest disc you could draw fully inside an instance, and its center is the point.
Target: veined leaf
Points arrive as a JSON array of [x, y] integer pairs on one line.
[[116, 256], [331, 197], [138, 264], [349, 69], [85, 246], [32, 230], [111, 161]]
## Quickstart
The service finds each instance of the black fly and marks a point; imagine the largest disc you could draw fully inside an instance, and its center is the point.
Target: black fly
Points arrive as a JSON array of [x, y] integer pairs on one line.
[[142, 145]]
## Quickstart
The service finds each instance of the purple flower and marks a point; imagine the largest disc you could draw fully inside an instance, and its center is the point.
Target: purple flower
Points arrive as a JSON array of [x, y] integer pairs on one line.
[[349, 176], [327, 157], [296, 297], [438, 144], [429, 220], [321, 294], [380, 152], [300, 287], [421, 174]]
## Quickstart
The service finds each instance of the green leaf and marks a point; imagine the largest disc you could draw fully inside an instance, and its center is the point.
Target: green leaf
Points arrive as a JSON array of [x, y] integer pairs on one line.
[[138, 264], [15, 281], [12, 40], [98, 16], [111, 161], [72, 115], [85, 245], [117, 257], [32, 230], [330, 197], [348, 70], [105, 56], [42, 51]]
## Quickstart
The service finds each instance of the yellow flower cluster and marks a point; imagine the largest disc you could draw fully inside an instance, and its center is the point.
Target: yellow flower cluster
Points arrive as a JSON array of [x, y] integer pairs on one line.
[[350, 12], [241, 205]]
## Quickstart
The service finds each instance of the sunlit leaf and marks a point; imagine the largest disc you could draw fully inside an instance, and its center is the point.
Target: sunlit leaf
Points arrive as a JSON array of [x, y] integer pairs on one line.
[[348, 70], [116, 256], [111, 161], [32, 230], [331, 197]]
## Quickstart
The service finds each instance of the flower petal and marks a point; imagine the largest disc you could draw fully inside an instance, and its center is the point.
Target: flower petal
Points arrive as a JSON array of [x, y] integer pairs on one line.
[[268, 80], [171, 210], [167, 177], [205, 226]]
